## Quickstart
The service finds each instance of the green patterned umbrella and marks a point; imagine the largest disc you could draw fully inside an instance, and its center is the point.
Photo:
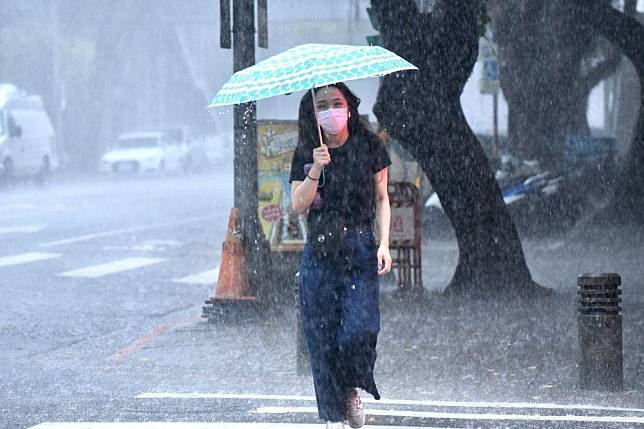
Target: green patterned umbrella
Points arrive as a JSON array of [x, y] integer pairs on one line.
[[306, 67]]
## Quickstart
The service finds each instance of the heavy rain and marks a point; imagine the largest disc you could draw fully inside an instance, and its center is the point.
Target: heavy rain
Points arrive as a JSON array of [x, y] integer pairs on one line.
[[321, 214]]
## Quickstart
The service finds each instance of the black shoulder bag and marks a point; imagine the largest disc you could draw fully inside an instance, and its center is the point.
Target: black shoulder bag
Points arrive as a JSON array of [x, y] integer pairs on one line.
[[327, 235]]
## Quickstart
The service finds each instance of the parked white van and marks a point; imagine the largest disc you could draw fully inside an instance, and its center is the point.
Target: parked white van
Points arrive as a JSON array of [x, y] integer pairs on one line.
[[27, 139]]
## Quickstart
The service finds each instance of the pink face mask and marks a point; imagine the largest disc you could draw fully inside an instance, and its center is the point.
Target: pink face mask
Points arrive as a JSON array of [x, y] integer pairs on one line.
[[333, 120]]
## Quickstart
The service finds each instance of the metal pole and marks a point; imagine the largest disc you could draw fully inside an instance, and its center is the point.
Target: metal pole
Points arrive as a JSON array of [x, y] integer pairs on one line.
[[56, 79], [245, 138], [315, 112], [495, 121], [244, 114]]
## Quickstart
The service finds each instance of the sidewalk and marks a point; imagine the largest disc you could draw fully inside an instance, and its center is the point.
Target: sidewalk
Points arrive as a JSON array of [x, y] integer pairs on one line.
[[450, 353]]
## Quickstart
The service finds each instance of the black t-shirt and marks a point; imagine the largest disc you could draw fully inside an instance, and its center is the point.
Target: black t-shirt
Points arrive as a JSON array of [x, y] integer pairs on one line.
[[347, 188]]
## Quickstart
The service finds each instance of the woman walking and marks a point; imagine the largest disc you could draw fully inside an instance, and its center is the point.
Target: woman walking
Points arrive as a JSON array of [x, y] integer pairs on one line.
[[342, 183]]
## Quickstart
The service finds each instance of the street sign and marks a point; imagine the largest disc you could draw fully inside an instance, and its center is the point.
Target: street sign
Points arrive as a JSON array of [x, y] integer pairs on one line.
[[490, 76], [489, 82]]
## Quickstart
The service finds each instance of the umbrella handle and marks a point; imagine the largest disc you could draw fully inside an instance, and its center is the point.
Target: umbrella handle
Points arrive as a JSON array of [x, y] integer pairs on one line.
[[315, 110]]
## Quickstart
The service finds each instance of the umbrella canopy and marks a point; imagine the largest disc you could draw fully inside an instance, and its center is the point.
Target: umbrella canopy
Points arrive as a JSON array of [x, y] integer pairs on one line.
[[306, 67]]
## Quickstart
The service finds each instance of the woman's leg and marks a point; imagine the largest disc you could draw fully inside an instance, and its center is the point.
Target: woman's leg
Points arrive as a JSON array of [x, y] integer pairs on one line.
[[358, 333], [321, 313]]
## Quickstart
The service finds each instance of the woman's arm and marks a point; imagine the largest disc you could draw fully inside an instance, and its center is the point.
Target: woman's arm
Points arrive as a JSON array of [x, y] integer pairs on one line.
[[303, 193], [383, 217]]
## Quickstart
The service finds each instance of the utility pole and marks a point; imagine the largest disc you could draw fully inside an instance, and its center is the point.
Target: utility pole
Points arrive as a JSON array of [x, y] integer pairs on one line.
[[245, 155], [245, 144], [245, 167], [57, 84]]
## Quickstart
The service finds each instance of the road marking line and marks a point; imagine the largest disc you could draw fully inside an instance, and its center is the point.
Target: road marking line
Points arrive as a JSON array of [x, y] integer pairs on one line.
[[205, 278], [24, 258], [142, 341], [461, 404], [172, 243], [21, 229], [121, 231], [151, 336], [101, 270], [464, 416], [194, 425]]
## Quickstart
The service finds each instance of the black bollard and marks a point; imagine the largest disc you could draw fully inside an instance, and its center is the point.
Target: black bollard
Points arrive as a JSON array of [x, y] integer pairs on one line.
[[600, 358]]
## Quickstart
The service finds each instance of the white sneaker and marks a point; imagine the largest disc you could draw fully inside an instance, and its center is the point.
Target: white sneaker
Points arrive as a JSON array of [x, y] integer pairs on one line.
[[334, 425], [355, 409]]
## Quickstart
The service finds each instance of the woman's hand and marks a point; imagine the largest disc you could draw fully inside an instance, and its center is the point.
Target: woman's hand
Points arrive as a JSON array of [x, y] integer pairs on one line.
[[321, 157], [384, 259]]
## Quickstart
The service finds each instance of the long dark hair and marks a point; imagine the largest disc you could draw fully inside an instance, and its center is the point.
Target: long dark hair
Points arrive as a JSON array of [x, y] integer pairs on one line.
[[307, 125]]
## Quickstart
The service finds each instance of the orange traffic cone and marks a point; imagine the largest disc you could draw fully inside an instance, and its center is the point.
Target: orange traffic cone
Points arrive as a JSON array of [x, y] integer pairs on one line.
[[232, 284]]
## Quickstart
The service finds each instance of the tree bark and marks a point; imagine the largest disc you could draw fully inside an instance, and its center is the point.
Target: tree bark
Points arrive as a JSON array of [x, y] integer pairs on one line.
[[549, 63], [540, 121], [627, 34], [422, 110]]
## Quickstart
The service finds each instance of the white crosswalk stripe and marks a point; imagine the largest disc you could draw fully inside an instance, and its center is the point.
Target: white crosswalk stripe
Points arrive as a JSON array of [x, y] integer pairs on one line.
[[496, 417], [458, 412], [204, 278], [195, 425], [114, 267], [120, 231], [21, 229], [25, 258], [391, 401]]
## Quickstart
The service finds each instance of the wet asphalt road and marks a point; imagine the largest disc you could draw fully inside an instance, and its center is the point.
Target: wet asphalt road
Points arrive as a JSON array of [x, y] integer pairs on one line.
[[61, 327], [102, 282]]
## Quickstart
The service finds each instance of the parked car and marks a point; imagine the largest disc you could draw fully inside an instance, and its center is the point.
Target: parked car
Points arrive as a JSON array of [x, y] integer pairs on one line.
[[181, 136], [211, 152], [143, 153], [27, 139]]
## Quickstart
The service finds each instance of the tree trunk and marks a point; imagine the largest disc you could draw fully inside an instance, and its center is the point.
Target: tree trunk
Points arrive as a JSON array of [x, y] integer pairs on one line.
[[422, 110], [549, 62], [628, 34], [540, 122]]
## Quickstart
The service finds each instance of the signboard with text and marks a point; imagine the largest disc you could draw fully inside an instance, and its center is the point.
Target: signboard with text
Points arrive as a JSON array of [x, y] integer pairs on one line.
[[284, 229]]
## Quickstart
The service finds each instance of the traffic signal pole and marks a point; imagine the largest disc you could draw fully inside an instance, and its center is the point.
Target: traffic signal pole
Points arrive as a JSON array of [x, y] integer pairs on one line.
[[241, 249], [245, 140], [245, 135], [245, 115]]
